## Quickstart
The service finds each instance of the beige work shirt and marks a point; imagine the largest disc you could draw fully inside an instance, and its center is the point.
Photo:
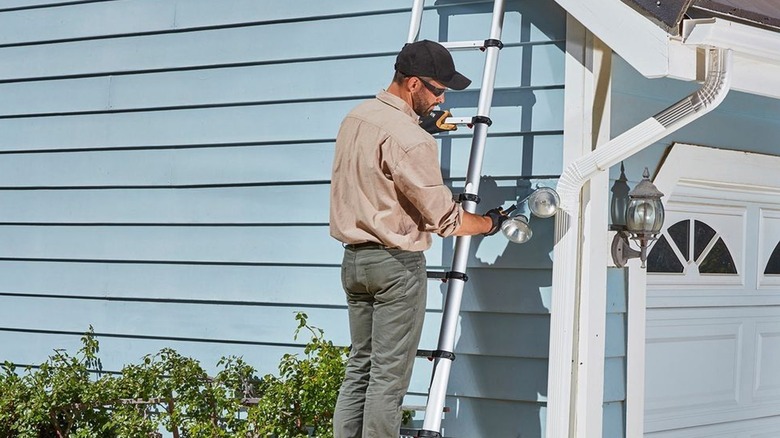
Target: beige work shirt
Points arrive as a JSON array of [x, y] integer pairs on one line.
[[386, 185]]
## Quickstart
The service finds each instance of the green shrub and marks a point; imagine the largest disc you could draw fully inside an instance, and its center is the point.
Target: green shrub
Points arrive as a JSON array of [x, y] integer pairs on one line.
[[70, 396]]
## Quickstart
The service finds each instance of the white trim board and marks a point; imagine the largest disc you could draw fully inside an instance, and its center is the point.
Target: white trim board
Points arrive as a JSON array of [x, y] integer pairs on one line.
[[717, 167], [654, 53]]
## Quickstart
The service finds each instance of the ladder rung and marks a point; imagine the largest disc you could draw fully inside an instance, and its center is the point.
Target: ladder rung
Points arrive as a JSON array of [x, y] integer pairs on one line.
[[463, 45], [458, 120], [406, 432], [436, 275], [420, 408]]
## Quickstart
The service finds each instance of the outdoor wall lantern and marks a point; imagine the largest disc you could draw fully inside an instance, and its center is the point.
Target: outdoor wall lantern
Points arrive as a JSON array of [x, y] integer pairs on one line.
[[542, 202], [637, 215]]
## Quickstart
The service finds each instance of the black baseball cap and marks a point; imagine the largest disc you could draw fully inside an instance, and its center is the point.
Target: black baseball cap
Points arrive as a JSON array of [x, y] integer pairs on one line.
[[430, 59]]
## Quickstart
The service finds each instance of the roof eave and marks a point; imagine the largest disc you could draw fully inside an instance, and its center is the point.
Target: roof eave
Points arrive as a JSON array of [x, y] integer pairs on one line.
[[654, 53], [756, 52], [639, 41]]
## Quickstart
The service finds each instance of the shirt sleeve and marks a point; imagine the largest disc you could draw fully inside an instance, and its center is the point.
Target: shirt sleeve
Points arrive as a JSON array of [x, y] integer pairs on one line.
[[418, 176]]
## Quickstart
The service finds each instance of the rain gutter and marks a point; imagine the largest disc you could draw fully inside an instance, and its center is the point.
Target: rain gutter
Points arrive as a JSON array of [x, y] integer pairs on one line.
[[568, 228]]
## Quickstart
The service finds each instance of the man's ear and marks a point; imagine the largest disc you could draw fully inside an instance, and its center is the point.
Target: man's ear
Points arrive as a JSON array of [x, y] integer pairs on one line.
[[412, 83]]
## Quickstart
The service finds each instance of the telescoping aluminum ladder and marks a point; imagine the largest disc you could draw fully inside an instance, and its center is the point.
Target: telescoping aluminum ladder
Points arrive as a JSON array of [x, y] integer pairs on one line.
[[443, 356]]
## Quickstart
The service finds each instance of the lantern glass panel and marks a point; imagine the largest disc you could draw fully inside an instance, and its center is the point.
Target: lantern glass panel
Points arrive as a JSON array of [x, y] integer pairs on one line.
[[659, 216], [618, 210], [645, 215]]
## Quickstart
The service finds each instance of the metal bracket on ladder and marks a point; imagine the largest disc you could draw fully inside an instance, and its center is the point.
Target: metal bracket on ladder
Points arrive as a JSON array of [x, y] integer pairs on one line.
[[443, 356]]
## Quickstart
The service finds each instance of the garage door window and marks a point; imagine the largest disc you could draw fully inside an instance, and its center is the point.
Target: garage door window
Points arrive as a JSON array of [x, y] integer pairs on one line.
[[692, 243], [773, 265]]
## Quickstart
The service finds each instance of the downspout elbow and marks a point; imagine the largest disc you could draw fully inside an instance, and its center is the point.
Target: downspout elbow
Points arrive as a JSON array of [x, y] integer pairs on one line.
[[705, 99]]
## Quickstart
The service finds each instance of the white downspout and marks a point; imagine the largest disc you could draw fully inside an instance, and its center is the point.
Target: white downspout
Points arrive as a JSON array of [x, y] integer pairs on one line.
[[567, 251]]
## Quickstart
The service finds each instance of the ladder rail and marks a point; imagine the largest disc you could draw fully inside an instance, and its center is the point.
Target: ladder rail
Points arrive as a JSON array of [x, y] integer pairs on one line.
[[441, 368], [416, 21]]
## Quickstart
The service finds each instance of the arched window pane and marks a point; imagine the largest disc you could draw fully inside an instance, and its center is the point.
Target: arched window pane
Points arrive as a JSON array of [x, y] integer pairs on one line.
[[680, 234], [718, 261], [773, 266], [702, 236], [663, 259]]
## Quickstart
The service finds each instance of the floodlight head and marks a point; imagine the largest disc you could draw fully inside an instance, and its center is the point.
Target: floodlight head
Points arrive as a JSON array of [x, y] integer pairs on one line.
[[543, 202], [516, 229]]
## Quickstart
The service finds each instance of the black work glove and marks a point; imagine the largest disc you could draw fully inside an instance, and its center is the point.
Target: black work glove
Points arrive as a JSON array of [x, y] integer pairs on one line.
[[434, 122], [498, 216]]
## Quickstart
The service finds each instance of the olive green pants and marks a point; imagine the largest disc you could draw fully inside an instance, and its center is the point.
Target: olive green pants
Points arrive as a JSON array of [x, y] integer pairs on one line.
[[386, 294]]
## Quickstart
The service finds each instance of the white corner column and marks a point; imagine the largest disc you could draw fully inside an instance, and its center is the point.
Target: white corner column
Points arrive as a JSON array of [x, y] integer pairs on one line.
[[578, 321], [635, 349]]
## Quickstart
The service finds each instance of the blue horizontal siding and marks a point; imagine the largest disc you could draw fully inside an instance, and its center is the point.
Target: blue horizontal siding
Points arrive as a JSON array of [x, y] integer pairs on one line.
[[301, 204], [616, 339], [230, 86], [90, 19], [614, 420], [499, 378], [229, 244], [292, 122], [259, 324], [239, 45], [258, 164], [81, 20], [9, 5], [471, 417], [615, 371], [164, 174], [272, 164], [203, 244], [513, 291], [71, 19], [512, 335], [613, 416], [275, 123], [181, 321], [301, 286]]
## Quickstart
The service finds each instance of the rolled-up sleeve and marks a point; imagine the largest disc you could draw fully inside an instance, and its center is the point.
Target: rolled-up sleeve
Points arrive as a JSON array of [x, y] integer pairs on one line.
[[418, 177]]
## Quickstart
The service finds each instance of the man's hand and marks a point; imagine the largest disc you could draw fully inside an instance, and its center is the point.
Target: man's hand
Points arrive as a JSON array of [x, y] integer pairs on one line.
[[497, 216], [434, 122]]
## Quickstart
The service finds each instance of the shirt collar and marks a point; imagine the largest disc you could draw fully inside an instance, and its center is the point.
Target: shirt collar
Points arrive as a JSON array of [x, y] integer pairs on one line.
[[397, 103]]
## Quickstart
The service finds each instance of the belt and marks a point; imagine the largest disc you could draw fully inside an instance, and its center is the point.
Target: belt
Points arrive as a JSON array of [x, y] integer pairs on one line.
[[364, 245]]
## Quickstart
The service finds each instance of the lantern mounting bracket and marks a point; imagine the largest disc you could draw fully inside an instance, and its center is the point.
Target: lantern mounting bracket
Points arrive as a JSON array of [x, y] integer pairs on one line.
[[622, 251]]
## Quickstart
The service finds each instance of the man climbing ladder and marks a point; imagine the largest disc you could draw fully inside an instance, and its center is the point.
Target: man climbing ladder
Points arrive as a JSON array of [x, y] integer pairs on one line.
[[387, 197], [443, 356]]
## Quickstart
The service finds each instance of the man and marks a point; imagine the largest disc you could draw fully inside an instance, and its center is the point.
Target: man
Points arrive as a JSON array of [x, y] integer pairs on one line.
[[387, 197]]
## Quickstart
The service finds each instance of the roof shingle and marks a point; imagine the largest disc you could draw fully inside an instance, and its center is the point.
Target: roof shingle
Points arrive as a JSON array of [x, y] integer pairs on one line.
[[669, 13]]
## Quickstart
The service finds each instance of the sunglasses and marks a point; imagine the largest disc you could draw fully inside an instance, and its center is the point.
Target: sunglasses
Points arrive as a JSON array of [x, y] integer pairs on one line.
[[436, 91]]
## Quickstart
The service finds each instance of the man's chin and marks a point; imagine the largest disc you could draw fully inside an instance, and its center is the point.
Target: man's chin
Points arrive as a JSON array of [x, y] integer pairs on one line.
[[426, 113]]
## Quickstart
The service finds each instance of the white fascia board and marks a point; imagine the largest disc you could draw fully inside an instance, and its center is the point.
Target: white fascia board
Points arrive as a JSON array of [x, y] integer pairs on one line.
[[756, 77], [740, 38], [654, 53], [756, 68], [639, 41]]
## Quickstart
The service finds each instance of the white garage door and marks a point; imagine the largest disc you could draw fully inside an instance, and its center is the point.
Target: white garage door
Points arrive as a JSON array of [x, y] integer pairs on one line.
[[713, 299]]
